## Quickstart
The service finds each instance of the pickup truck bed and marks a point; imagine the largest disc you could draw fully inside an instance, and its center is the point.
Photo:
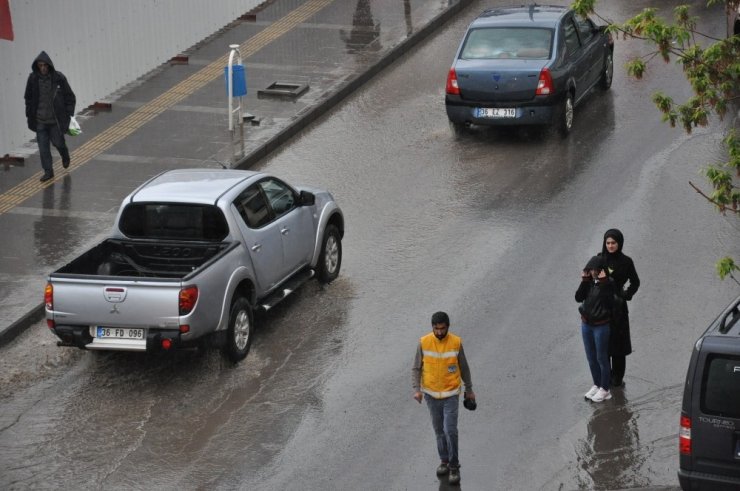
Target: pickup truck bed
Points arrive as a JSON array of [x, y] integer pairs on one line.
[[137, 258]]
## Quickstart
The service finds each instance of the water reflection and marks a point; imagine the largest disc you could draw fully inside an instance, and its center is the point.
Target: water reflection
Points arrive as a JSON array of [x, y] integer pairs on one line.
[[609, 453], [365, 31], [51, 233]]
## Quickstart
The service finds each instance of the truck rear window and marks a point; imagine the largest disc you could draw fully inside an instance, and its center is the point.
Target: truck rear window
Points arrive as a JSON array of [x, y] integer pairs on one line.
[[174, 221], [720, 394]]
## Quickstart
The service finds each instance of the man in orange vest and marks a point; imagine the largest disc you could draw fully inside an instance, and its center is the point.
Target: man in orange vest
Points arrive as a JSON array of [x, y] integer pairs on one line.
[[440, 368]]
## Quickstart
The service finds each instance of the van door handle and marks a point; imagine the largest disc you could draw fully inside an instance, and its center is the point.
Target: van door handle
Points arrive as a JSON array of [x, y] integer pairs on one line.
[[284, 230], [256, 247]]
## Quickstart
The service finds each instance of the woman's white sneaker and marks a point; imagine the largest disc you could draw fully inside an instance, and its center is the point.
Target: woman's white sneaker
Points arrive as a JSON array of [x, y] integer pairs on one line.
[[601, 395], [591, 392]]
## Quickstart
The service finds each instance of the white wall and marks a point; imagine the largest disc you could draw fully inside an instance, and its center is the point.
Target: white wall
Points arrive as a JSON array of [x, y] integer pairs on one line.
[[100, 45]]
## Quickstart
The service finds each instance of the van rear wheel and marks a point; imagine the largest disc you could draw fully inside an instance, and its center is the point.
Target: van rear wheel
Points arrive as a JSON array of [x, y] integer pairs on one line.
[[239, 333]]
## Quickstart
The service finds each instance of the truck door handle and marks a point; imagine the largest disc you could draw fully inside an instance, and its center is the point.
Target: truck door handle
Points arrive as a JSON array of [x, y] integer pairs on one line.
[[284, 230], [256, 247]]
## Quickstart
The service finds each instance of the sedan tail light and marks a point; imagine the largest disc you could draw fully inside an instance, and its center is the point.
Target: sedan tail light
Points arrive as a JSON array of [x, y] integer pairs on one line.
[[544, 84], [452, 87], [684, 436], [188, 298]]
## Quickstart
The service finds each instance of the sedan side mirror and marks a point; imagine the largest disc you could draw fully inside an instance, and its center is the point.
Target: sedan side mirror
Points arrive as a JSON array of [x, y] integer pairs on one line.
[[307, 198]]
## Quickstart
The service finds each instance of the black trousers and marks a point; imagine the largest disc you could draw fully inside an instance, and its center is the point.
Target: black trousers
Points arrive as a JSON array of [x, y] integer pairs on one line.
[[619, 365]]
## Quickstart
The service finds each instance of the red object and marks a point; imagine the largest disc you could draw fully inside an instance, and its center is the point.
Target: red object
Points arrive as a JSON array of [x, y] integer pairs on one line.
[[184, 328], [166, 344], [684, 436], [452, 87], [188, 297], [49, 296], [544, 84], [6, 23]]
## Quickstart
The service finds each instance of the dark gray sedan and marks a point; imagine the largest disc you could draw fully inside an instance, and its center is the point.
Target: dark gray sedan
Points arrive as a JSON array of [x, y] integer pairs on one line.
[[528, 65]]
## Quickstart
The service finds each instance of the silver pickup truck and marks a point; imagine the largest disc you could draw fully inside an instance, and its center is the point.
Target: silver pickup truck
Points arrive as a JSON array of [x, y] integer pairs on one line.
[[192, 253]]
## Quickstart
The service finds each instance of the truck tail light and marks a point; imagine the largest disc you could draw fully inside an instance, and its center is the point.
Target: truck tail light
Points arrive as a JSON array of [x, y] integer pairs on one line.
[[684, 436], [452, 87], [49, 303], [188, 298], [49, 296], [166, 344], [544, 84]]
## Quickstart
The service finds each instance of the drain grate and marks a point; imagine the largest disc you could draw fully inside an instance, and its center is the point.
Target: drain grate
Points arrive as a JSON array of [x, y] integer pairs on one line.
[[283, 89]]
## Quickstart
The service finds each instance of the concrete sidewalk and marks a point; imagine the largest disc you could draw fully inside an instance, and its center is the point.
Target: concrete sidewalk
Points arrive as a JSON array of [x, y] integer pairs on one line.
[[176, 117]]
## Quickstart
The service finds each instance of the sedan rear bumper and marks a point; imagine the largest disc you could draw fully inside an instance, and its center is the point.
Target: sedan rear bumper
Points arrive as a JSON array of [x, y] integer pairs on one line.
[[526, 114]]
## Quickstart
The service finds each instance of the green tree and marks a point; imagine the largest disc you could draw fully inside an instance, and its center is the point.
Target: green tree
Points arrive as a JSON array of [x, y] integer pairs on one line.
[[712, 67]]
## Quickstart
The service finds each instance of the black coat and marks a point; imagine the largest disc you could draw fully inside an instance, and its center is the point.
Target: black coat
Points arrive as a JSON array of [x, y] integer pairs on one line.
[[64, 99], [597, 301], [622, 270]]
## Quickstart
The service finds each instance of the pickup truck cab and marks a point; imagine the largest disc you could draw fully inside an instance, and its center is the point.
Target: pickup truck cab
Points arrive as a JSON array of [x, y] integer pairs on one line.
[[192, 254]]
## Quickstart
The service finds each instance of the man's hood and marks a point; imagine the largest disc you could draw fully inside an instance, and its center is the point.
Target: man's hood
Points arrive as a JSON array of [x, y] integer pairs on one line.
[[45, 58]]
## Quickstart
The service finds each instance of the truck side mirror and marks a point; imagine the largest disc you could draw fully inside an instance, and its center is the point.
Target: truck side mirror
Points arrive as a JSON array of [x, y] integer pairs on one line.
[[307, 198]]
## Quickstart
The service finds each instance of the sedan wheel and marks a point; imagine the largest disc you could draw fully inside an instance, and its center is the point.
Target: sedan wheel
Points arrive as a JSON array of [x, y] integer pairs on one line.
[[566, 116]]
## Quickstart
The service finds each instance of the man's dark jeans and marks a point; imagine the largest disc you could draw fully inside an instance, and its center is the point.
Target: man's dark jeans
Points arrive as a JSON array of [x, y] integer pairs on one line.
[[444, 421], [47, 134]]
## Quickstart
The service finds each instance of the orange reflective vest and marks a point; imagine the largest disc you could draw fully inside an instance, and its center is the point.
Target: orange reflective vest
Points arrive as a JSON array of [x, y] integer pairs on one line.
[[440, 371]]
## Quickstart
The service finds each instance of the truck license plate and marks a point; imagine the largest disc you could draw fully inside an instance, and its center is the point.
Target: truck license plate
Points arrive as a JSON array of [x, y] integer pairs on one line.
[[119, 333]]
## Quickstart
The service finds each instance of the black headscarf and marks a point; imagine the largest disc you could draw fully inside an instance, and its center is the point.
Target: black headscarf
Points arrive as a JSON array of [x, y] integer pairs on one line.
[[617, 236]]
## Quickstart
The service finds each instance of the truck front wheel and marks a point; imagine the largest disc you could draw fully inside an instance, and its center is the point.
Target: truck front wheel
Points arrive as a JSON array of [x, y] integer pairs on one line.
[[239, 335], [330, 259]]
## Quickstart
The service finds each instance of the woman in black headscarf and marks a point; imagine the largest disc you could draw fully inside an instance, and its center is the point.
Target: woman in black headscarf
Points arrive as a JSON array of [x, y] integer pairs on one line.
[[622, 270]]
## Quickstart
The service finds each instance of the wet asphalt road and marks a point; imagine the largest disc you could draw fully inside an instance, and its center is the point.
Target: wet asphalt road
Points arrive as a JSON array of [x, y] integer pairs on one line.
[[493, 227]]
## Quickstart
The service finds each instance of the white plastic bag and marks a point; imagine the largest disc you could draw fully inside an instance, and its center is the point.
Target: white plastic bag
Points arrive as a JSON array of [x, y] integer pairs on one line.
[[74, 127]]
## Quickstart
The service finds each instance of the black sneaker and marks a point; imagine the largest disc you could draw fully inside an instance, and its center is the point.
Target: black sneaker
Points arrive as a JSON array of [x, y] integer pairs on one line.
[[443, 469], [65, 163], [454, 475], [46, 177]]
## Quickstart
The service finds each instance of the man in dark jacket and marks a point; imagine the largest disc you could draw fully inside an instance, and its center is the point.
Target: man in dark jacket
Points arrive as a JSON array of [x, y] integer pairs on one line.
[[50, 104]]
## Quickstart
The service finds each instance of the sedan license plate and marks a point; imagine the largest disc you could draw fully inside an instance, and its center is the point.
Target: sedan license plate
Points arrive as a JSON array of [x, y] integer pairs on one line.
[[495, 112], [119, 333]]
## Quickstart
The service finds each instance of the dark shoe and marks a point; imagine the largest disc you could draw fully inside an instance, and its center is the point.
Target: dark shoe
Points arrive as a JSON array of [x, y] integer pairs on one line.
[[454, 475], [65, 157], [46, 177], [618, 384], [443, 469]]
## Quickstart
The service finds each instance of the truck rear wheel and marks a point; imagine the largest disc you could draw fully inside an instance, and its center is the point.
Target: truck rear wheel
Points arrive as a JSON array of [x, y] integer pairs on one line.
[[239, 333], [330, 259]]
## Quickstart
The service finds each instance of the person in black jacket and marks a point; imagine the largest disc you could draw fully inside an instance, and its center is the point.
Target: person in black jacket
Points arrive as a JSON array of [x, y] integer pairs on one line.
[[595, 293], [622, 270], [50, 104]]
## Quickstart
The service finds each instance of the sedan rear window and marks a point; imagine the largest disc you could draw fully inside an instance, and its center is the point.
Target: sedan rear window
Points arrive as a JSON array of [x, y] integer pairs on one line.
[[174, 221], [494, 43], [721, 389]]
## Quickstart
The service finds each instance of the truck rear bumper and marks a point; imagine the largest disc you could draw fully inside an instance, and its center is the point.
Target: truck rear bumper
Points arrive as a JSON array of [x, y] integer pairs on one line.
[[80, 337]]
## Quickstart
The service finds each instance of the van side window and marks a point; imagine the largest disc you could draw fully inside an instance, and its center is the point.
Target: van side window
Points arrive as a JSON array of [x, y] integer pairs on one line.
[[720, 395]]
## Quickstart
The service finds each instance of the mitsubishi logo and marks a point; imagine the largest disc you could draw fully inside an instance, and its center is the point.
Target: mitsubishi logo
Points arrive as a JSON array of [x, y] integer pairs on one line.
[[115, 310]]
